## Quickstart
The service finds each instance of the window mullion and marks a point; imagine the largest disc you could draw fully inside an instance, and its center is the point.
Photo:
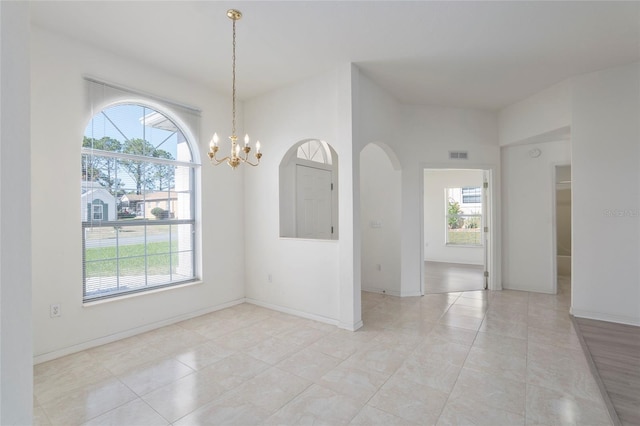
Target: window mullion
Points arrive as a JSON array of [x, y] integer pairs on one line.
[[170, 253], [118, 278]]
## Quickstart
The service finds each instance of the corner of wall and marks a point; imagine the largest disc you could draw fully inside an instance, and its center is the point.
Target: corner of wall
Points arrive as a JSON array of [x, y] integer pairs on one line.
[[546, 114]]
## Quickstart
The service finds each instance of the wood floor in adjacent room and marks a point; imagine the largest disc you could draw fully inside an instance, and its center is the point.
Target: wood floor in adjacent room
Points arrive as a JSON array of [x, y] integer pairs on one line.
[[615, 351], [442, 277], [477, 357]]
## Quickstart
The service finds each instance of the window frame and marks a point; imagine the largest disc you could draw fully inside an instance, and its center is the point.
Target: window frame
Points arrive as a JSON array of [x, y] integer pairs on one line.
[[146, 285]]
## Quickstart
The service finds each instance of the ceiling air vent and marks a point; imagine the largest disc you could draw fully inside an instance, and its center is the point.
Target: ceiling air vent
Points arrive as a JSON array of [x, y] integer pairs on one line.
[[458, 155]]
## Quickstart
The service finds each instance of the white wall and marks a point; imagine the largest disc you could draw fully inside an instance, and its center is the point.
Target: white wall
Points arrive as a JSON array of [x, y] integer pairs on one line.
[[606, 195], [436, 248], [59, 116], [528, 238], [543, 117], [16, 368], [424, 139], [312, 278], [380, 197]]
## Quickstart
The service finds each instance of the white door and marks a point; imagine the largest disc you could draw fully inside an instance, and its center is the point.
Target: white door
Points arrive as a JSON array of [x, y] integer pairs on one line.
[[313, 203]]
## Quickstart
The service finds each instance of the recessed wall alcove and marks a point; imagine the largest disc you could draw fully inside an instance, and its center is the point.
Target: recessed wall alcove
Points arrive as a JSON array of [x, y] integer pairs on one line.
[[309, 191]]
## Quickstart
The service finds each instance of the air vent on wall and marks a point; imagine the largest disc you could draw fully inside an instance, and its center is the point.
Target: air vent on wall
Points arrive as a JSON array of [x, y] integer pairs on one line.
[[458, 155]]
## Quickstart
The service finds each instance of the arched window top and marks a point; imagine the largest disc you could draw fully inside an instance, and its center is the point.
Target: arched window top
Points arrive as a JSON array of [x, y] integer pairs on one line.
[[139, 130], [315, 150]]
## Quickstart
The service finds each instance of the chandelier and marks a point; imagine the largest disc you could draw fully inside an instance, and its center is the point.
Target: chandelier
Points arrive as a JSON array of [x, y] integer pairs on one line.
[[238, 154]]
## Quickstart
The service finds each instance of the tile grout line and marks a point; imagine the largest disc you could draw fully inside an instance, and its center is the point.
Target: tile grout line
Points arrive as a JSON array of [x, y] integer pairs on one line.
[[465, 360]]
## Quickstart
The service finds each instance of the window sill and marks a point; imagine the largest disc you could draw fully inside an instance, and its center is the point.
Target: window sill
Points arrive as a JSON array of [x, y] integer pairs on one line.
[[142, 293], [465, 245], [310, 239]]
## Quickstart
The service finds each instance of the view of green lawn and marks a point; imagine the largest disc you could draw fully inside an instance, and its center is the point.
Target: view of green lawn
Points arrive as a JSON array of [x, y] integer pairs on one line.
[[101, 261], [110, 232], [465, 236]]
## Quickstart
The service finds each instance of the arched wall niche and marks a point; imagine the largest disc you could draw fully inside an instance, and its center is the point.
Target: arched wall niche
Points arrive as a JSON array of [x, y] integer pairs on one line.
[[309, 191], [391, 155]]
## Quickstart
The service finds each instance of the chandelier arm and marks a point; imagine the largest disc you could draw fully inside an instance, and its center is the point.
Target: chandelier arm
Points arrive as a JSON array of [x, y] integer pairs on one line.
[[246, 157], [217, 161]]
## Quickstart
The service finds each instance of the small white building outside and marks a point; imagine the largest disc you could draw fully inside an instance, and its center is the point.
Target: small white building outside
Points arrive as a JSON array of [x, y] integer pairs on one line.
[[96, 203]]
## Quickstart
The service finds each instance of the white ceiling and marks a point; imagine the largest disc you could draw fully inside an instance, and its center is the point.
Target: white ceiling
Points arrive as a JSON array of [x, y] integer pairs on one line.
[[468, 54]]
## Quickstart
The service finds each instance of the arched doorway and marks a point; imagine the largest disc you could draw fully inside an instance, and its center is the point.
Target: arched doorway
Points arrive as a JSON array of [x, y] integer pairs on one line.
[[380, 201]]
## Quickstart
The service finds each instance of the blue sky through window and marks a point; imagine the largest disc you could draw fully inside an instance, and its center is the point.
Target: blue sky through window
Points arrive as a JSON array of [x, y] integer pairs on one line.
[[127, 120]]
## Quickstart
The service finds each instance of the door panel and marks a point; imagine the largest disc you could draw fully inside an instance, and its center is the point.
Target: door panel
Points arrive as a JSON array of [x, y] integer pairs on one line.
[[313, 203]]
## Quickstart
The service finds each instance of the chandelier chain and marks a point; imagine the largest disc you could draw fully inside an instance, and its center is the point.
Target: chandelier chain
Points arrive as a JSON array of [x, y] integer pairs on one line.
[[233, 121]]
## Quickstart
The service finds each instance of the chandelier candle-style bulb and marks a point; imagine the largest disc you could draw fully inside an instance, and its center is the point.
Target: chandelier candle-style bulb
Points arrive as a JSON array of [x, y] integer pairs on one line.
[[214, 141], [234, 158]]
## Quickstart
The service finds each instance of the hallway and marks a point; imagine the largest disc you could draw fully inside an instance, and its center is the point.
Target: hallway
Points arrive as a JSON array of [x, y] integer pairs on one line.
[[441, 277]]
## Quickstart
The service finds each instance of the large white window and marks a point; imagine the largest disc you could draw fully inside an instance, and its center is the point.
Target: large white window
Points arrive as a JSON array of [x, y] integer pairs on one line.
[[137, 202]]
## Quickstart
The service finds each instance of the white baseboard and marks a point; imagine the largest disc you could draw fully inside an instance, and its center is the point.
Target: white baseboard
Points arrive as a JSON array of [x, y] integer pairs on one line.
[[351, 327], [381, 291], [457, 262], [601, 316], [392, 292], [295, 312], [128, 333], [530, 290], [411, 294]]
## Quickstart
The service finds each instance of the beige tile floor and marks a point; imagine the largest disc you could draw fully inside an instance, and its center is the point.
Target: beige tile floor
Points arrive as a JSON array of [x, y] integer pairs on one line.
[[490, 358]]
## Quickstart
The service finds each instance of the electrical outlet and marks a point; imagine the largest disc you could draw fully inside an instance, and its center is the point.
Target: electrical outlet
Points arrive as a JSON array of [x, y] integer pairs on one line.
[[54, 310]]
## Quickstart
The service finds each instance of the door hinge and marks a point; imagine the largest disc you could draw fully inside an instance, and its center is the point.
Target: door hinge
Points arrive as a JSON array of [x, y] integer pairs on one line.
[[485, 185], [332, 229], [486, 274], [486, 229], [332, 186]]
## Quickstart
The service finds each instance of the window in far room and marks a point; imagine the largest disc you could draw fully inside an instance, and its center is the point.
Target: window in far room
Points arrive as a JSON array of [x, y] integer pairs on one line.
[[463, 225]]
